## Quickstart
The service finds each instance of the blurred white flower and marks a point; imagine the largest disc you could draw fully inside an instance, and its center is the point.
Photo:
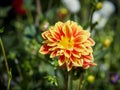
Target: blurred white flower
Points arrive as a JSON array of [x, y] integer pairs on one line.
[[72, 5], [98, 17], [104, 67], [103, 14], [108, 8]]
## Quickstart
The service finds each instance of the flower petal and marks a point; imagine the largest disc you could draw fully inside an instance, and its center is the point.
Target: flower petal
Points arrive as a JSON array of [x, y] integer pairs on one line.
[[67, 53], [44, 49], [77, 61], [53, 54], [69, 66], [61, 60], [86, 65], [91, 41]]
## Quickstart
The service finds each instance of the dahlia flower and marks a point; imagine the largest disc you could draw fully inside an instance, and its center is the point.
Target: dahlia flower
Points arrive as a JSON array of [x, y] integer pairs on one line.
[[70, 43]]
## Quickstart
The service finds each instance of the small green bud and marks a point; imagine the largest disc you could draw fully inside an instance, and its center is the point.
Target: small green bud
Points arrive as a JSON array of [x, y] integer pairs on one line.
[[99, 5]]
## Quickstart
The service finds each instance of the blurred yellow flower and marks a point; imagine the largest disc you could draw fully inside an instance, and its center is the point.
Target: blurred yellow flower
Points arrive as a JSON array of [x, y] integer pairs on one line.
[[91, 78], [99, 5], [70, 43], [107, 42]]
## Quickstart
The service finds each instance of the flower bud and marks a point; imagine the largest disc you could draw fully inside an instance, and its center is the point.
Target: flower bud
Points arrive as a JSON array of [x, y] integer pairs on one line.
[[91, 78], [99, 5], [44, 25], [107, 42], [62, 13]]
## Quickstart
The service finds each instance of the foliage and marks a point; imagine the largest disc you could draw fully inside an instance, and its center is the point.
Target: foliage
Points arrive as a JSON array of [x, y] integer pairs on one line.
[[30, 70]]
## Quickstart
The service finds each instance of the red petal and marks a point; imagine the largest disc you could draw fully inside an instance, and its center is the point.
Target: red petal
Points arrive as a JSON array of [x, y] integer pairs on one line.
[[67, 53], [53, 54], [44, 49], [88, 57], [86, 65], [61, 60], [69, 65]]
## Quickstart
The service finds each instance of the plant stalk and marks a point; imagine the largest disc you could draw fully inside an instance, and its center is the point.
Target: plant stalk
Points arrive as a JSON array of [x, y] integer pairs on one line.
[[70, 80], [91, 16], [58, 87], [6, 64]]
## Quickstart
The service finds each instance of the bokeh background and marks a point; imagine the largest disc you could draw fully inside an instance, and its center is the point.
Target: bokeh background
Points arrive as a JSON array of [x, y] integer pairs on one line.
[[21, 25]]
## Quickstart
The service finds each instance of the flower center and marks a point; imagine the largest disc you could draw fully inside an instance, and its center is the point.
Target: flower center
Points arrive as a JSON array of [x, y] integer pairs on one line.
[[66, 43]]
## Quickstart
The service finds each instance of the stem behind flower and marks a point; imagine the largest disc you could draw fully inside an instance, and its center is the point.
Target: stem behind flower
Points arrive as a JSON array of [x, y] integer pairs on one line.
[[58, 87], [6, 64], [70, 80]]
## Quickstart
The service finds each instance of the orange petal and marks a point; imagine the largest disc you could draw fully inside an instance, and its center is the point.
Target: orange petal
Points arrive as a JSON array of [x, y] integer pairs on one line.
[[80, 39], [67, 30], [91, 41], [88, 57], [53, 48], [44, 49], [51, 39], [84, 33], [86, 65], [79, 48], [45, 34], [61, 60], [85, 52], [76, 54], [55, 35], [76, 30], [58, 28], [67, 53], [53, 54], [77, 61], [60, 52], [69, 65], [52, 43]]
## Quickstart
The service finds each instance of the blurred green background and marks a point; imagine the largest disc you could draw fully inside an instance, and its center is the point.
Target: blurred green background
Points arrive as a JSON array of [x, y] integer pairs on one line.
[[21, 25]]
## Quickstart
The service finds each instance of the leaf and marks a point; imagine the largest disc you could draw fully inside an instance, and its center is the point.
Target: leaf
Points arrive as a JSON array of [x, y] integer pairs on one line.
[[2, 30], [52, 80], [100, 54]]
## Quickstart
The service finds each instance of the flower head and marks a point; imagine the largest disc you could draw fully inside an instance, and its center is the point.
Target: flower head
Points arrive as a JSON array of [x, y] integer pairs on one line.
[[70, 43]]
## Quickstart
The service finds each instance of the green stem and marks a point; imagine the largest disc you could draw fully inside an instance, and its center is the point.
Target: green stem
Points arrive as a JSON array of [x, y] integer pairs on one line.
[[66, 80], [79, 84], [9, 80], [58, 87], [6, 64], [18, 68], [91, 16], [80, 81], [70, 80]]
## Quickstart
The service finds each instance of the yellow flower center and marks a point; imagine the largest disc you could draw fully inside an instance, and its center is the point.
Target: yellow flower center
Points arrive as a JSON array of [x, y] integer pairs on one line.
[[66, 43]]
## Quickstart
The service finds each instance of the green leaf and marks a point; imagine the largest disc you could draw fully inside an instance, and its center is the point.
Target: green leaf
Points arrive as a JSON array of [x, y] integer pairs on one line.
[[52, 79], [2, 30]]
